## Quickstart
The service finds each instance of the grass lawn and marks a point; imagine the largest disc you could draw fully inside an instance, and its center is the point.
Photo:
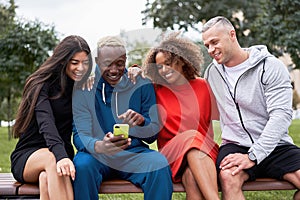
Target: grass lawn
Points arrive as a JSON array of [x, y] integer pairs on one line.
[[7, 146]]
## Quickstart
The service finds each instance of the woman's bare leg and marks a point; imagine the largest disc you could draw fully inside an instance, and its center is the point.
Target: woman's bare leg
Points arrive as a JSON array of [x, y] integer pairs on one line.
[[191, 186], [43, 185], [68, 187], [43, 161], [204, 170]]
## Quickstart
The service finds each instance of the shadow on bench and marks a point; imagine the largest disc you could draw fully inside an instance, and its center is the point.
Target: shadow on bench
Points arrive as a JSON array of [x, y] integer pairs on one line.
[[10, 188]]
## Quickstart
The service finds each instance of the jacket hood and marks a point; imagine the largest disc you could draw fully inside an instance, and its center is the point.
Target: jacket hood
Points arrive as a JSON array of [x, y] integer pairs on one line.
[[257, 54], [125, 85]]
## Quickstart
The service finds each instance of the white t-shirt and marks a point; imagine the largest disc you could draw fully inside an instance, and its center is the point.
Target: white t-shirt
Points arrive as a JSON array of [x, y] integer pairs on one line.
[[233, 73]]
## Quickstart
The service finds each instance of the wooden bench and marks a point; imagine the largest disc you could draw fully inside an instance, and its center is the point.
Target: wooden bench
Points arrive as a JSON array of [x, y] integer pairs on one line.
[[10, 188]]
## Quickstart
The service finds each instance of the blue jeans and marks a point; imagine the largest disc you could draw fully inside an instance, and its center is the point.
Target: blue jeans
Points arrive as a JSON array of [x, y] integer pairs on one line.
[[155, 180]]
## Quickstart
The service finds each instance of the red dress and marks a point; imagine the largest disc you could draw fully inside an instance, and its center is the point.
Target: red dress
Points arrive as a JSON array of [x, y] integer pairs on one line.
[[185, 112]]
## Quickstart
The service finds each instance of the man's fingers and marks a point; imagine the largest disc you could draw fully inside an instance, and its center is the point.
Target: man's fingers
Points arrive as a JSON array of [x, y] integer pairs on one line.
[[236, 171]]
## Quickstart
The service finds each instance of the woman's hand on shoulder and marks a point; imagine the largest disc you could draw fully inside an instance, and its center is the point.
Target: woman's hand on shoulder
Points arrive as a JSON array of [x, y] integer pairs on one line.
[[89, 82], [65, 167], [134, 71]]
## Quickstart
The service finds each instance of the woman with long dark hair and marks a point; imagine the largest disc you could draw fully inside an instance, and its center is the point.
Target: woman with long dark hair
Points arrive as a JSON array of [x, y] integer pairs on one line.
[[44, 151]]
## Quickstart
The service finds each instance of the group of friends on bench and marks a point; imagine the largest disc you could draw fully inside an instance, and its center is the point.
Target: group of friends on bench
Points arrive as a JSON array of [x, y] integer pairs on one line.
[[165, 100]]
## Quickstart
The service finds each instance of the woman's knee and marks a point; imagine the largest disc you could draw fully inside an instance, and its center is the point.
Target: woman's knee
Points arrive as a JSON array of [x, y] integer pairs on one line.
[[43, 178], [43, 185], [48, 158], [40, 160], [43, 182], [195, 154]]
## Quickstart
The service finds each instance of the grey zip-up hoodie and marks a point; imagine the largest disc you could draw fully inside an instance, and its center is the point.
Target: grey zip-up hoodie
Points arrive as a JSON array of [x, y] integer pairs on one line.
[[259, 111]]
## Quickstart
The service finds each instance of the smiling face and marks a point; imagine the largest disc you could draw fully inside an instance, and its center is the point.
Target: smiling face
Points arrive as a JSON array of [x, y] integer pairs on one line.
[[170, 69], [219, 41], [111, 61], [78, 66]]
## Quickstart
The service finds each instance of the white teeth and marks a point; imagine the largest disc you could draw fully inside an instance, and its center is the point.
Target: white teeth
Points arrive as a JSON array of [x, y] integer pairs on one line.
[[168, 75], [114, 77], [217, 54]]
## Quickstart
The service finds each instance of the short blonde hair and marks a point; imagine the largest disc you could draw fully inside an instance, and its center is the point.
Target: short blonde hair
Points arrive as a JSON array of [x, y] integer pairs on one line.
[[114, 41]]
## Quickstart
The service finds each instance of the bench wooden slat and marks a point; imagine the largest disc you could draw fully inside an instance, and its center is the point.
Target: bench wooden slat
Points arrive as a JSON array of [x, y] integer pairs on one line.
[[118, 186], [8, 184], [29, 189], [267, 184], [122, 186], [10, 187]]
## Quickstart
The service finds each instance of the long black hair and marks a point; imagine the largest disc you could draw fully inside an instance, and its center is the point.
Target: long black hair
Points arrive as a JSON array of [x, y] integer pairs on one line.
[[53, 68]]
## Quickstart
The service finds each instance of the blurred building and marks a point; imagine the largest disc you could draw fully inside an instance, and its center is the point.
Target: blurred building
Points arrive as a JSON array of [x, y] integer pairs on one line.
[[295, 77], [294, 73]]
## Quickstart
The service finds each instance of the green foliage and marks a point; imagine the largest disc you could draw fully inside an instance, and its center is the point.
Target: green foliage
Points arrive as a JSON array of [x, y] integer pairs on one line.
[[271, 22], [7, 14], [278, 27], [137, 52], [182, 14], [24, 46]]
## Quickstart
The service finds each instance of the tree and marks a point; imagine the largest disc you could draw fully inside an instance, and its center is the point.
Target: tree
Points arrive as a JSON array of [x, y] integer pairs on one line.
[[270, 22], [24, 45], [182, 14], [278, 27]]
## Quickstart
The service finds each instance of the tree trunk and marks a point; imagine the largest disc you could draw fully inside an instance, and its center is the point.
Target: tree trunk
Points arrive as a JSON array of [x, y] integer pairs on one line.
[[9, 111]]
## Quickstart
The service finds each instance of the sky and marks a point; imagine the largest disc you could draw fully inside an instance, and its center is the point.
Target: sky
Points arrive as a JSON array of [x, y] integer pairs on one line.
[[91, 19]]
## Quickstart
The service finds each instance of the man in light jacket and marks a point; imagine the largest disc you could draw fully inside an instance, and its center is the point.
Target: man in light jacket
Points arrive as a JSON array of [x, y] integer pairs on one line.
[[254, 96]]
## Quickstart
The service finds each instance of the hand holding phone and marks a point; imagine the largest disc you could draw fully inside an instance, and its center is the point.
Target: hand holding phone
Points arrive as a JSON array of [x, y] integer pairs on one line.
[[121, 129]]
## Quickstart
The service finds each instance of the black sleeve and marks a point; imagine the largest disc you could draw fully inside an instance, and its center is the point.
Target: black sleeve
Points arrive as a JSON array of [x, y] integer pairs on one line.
[[46, 123]]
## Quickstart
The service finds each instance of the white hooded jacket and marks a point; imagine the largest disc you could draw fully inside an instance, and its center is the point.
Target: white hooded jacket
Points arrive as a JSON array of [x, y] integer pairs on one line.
[[259, 111]]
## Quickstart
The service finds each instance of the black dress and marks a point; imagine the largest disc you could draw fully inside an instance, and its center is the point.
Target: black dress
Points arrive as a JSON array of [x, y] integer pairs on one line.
[[50, 127]]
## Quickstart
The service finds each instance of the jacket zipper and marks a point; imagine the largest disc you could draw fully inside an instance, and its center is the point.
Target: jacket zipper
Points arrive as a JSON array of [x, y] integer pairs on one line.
[[236, 104]]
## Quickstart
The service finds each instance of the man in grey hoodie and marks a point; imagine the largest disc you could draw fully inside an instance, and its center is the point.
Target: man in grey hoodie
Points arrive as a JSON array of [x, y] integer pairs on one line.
[[253, 92]]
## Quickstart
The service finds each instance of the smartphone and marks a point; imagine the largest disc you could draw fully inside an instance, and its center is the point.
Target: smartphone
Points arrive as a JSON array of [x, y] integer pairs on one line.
[[121, 129]]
